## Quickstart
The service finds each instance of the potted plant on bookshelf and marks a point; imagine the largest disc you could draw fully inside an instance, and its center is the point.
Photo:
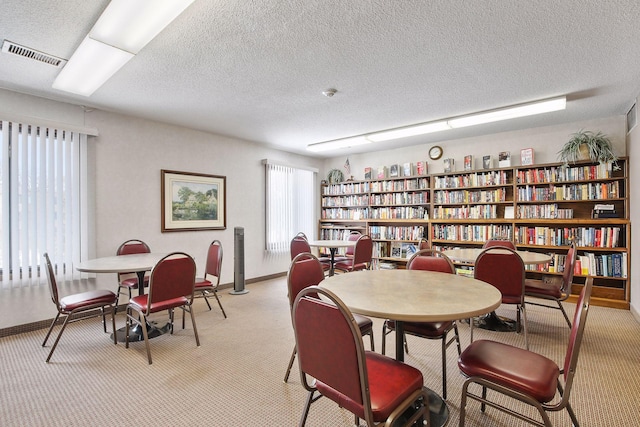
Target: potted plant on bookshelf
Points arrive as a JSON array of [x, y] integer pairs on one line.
[[335, 176], [587, 145]]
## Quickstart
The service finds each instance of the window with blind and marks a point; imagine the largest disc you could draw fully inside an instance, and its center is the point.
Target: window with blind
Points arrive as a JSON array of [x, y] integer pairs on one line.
[[41, 171], [290, 205]]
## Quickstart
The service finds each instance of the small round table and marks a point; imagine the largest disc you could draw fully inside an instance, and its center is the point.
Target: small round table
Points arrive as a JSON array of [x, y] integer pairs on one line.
[[415, 296], [333, 246]]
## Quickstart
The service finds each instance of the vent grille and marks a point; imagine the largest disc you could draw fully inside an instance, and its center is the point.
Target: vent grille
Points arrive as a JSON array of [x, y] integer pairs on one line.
[[632, 118], [26, 52]]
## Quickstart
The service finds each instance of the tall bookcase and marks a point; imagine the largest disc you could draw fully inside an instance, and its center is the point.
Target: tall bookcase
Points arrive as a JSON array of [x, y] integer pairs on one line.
[[538, 207]]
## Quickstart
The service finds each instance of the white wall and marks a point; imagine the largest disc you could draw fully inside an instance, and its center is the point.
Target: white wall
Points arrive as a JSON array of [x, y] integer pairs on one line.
[[125, 163], [633, 148]]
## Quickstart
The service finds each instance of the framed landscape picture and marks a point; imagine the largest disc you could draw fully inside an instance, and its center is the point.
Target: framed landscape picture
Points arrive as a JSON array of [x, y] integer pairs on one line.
[[192, 201]]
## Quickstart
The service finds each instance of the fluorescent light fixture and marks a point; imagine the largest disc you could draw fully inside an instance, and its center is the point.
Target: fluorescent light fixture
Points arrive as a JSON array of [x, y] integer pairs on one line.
[[338, 143], [122, 30], [409, 131], [513, 112], [92, 64], [131, 24]]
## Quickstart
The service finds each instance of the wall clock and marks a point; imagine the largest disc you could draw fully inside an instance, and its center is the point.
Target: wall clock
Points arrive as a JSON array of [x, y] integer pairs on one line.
[[435, 152]]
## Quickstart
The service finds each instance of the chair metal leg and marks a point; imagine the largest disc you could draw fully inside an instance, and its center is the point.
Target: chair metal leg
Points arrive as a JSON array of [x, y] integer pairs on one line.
[[50, 329], [215, 294], [463, 402], [564, 313], [55, 344], [291, 359], [525, 326], [113, 324], [143, 324], [371, 340], [193, 322], [104, 320], [307, 405]]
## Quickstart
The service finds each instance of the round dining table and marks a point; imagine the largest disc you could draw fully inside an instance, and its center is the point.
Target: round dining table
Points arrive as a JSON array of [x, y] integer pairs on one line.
[[492, 321], [414, 296], [333, 246], [133, 263]]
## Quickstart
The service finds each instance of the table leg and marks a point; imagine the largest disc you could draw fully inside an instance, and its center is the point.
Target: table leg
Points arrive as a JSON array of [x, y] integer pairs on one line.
[[332, 261], [438, 410]]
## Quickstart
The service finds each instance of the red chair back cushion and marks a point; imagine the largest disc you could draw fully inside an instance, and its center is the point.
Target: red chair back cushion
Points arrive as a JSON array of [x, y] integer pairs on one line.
[[299, 245], [431, 263], [214, 259], [495, 242], [503, 269], [135, 247], [172, 277], [304, 272]]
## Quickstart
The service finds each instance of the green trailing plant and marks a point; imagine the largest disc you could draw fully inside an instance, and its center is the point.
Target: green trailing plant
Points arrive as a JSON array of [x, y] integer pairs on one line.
[[587, 145], [335, 176]]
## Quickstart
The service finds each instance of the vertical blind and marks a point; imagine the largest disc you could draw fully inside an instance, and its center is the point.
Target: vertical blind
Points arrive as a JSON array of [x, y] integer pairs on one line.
[[41, 201], [290, 206]]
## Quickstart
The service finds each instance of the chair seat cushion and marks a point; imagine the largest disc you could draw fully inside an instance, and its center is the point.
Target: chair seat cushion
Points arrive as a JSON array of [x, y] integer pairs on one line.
[[202, 283], [522, 370], [132, 282], [87, 300], [139, 303], [364, 323], [545, 290], [423, 329], [390, 383], [347, 265]]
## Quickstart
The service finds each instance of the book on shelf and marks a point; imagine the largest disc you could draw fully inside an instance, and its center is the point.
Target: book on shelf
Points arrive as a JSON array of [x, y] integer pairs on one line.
[[422, 168], [449, 165], [526, 156], [394, 171], [407, 169], [382, 172], [509, 212], [387, 266], [487, 162], [504, 159], [601, 214], [396, 250], [408, 249], [468, 162], [367, 173]]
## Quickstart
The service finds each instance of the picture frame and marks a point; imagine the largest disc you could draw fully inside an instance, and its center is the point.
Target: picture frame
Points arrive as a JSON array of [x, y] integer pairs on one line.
[[504, 159], [487, 162], [468, 162], [192, 201]]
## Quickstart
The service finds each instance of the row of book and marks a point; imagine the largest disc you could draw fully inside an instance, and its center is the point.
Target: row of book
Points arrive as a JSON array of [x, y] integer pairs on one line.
[[400, 185], [471, 233], [588, 191], [335, 233], [466, 196], [607, 265], [399, 212], [354, 214], [345, 201], [396, 233], [346, 188], [466, 212], [565, 173], [549, 211], [404, 198], [475, 179], [596, 237]]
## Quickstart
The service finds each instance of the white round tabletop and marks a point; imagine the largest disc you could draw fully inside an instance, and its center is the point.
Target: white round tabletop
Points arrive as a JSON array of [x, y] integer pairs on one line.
[[332, 243], [120, 263], [413, 295]]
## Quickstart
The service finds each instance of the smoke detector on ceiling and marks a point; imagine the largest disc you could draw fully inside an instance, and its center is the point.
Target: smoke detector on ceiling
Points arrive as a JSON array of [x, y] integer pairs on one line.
[[26, 52]]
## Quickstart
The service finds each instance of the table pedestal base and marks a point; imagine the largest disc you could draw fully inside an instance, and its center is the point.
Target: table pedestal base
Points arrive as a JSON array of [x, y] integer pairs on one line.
[[438, 410], [493, 322], [135, 333]]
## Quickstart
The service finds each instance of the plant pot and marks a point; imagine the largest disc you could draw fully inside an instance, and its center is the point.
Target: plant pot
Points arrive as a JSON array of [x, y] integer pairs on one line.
[[583, 152]]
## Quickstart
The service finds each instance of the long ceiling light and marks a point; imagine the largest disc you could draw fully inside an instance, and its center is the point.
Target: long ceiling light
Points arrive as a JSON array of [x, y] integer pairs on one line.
[[511, 112], [123, 29]]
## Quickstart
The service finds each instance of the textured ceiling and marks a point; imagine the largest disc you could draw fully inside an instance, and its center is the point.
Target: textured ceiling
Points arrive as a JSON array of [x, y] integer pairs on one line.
[[256, 69]]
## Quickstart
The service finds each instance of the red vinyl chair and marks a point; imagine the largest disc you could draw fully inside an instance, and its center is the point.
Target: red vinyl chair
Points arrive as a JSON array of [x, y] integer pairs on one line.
[[299, 244], [503, 268], [71, 305], [130, 280], [423, 244], [499, 242], [171, 286], [348, 254], [305, 271], [430, 260], [208, 285], [524, 375], [334, 364], [556, 291], [362, 255]]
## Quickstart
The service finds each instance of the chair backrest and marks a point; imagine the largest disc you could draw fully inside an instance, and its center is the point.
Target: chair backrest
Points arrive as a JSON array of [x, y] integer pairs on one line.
[[431, 260], [133, 246], [174, 276], [569, 265], [577, 332], [51, 280], [353, 237], [305, 270], [423, 244], [214, 261], [498, 242], [363, 250], [299, 244], [329, 346], [503, 268]]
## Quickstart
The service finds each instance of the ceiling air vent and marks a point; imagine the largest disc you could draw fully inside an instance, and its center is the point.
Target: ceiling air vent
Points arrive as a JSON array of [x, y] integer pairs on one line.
[[26, 52]]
